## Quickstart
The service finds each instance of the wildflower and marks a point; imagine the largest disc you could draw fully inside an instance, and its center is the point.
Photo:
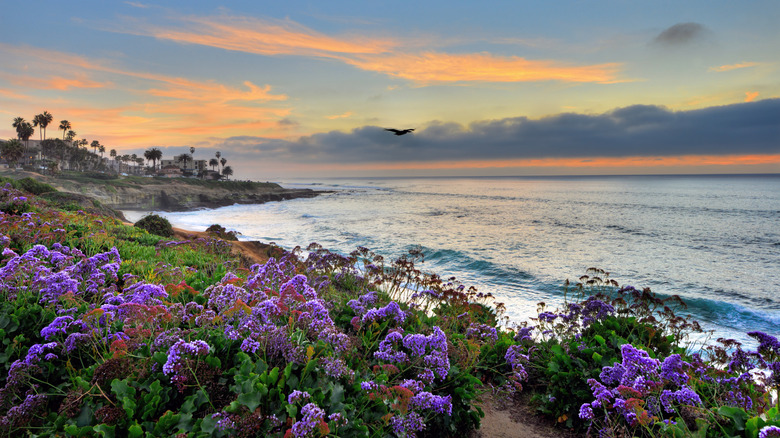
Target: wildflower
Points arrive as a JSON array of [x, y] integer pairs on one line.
[[59, 325], [586, 411], [391, 310], [297, 396], [312, 416], [769, 432], [482, 332], [176, 362]]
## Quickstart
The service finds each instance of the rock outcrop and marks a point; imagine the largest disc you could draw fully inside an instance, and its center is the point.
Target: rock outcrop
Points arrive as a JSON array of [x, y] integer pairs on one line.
[[166, 194]]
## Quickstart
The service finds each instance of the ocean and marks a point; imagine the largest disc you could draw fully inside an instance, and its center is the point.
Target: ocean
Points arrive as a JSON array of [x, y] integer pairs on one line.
[[712, 240]]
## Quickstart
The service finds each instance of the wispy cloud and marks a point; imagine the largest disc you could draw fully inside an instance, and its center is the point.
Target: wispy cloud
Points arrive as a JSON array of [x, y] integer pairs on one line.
[[730, 67], [262, 37], [751, 96], [390, 56], [340, 116], [161, 107], [435, 68], [54, 82]]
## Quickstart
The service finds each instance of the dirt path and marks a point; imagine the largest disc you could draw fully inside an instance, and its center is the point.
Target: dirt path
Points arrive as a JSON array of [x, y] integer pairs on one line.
[[514, 419]]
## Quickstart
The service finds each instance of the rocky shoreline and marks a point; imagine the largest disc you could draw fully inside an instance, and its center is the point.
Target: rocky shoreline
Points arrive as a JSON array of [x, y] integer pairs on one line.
[[166, 194]]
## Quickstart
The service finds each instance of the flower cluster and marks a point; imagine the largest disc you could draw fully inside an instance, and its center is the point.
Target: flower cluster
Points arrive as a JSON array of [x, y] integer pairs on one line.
[[430, 351], [482, 332], [640, 389], [177, 363]]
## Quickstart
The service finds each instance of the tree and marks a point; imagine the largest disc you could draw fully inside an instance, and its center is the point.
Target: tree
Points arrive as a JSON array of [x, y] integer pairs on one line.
[[26, 131], [101, 149], [18, 123], [94, 145], [65, 126], [227, 171], [183, 159], [12, 150], [43, 120], [223, 160], [71, 135], [213, 163], [153, 155]]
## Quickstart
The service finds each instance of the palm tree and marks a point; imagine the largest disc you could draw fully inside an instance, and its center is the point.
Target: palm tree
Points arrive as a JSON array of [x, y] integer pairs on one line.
[[227, 171], [223, 160], [83, 143], [101, 149], [213, 163], [65, 126], [71, 135], [43, 121], [38, 121], [94, 145], [26, 131], [153, 155], [112, 153], [18, 124], [218, 154]]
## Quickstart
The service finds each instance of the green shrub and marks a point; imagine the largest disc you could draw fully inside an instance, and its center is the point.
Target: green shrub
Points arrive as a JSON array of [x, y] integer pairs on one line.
[[156, 225], [220, 231], [33, 186]]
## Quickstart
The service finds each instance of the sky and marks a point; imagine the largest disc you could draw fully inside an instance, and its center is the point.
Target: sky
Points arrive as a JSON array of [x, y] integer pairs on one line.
[[300, 89]]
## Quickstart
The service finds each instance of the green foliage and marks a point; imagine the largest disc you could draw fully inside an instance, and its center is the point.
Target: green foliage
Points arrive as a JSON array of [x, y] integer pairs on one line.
[[220, 231], [156, 225], [34, 186]]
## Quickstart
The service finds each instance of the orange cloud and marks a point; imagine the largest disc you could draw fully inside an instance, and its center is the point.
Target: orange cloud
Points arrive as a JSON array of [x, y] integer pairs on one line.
[[266, 37], [55, 82], [434, 67], [583, 162], [213, 92], [173, 110], [750, 96], [340, 116], [733, 66]]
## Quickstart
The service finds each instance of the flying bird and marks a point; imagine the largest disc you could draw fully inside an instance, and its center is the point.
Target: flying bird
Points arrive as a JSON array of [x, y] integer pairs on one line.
[[399, 131]]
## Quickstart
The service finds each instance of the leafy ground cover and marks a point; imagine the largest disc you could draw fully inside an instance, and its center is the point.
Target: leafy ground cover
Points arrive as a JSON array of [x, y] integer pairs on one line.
[[108, 330]]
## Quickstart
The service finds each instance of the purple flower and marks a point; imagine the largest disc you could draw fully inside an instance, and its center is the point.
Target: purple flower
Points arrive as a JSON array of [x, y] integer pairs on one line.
[[59, 325], [769, 432], [586, 411], [767, 344], [482, 332], [250, 346], [390, 311], [297, 396], [436, 403], [175, 364], [672, 370], [407, 425], [312, 415], [368, 386], [338, 418]]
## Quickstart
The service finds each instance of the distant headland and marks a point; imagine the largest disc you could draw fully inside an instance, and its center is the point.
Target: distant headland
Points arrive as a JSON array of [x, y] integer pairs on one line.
[[162, 194]]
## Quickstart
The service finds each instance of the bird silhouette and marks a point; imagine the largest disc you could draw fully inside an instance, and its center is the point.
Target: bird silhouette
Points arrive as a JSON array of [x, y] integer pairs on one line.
[[399, 131]]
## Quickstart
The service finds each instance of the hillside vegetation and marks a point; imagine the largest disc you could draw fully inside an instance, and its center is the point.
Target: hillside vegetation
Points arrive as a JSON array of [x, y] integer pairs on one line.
[[108, 330]]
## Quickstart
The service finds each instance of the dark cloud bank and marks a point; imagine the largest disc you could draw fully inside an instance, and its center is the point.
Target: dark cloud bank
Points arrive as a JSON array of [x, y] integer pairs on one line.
[[639, 130]]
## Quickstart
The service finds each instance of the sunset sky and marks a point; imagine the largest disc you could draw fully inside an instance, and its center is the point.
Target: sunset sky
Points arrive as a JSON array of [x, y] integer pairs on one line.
[[297, 89]]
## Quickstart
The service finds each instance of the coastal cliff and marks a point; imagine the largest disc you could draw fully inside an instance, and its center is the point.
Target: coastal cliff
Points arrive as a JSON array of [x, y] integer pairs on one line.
[[165, 194]]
